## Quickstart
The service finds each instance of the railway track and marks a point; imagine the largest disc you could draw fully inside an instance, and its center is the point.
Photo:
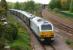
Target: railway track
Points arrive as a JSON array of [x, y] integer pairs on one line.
[[63, 27], [59, 24], [68, 30], [36, 45], [48, 47], [51, 47]]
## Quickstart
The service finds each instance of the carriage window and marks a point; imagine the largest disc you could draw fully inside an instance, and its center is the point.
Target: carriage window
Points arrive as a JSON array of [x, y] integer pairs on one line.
[[46, 27]]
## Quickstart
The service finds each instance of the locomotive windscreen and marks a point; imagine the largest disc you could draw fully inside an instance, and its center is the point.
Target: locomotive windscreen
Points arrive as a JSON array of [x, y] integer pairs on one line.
[[46, 27]]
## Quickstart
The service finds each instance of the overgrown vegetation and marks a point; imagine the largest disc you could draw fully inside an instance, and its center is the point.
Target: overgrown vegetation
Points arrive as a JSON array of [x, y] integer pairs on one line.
[[69, 42], [65, 5], [67, 14], [17, 5], [8, 33], [3, 8], [62, 7], [71, 6], [23, 40], [29, 6], [12, 34], [54, 4]]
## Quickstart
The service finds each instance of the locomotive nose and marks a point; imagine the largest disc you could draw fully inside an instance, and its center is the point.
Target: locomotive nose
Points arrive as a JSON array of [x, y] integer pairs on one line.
[[48, 34]]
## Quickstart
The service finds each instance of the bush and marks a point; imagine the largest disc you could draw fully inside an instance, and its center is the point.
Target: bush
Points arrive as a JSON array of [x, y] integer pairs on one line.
[[56, 9], [69, 42], [11, 32], [8, 32]]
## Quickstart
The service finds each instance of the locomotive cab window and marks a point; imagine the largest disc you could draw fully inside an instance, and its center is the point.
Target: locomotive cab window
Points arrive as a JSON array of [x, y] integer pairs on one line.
[[46, 27]]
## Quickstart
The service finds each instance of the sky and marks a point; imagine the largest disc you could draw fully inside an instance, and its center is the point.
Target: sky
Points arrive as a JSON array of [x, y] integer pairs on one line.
[[37, 1]]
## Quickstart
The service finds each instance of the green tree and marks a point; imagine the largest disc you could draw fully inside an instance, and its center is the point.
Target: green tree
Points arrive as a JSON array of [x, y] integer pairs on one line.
[[4, 6], [29, 6], [10, 5], [37, 7], [2, 11], [54, 4], [71, 6], [65, 4], [17, 5]]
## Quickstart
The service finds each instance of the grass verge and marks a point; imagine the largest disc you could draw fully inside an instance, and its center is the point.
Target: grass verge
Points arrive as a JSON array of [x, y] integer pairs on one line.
[[62, 15], [67, 14]]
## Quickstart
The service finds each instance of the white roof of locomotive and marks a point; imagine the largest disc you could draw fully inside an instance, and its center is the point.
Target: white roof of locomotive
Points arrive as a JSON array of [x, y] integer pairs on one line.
[[39, 21]]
